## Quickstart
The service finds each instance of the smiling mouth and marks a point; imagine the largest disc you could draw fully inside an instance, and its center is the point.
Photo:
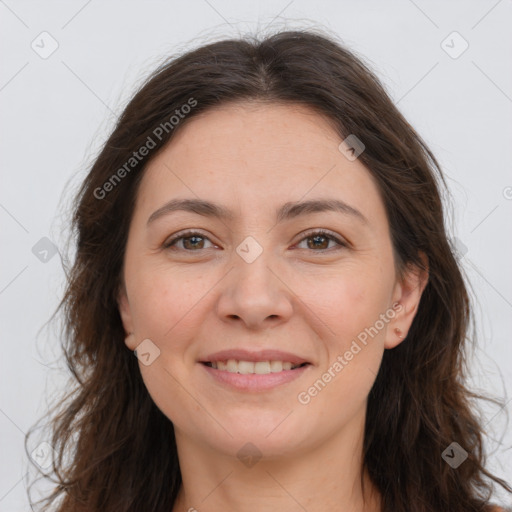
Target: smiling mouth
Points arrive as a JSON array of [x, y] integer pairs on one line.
[[251, 367]]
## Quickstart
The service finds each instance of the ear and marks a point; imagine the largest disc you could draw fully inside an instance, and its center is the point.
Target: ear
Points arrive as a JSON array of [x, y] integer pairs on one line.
[[407, 292], [126, 317]]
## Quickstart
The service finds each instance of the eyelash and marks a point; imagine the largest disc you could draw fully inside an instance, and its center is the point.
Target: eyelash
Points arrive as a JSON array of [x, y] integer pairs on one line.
[[322, 232]]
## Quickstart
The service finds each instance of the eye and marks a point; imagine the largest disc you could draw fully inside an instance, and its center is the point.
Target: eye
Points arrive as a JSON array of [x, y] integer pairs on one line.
[[192, 240], [320, 240]]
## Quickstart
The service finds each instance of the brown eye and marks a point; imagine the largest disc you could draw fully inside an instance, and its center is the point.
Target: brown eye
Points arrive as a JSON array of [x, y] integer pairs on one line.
[[318, 241], [191, 241]]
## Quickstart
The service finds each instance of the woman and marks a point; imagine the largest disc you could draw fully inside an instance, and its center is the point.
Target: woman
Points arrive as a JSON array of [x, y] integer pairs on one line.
[[263, 230]]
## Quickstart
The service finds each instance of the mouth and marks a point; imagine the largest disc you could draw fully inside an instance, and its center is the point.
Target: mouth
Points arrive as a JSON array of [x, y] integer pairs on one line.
[[253, 367], [248, 371]]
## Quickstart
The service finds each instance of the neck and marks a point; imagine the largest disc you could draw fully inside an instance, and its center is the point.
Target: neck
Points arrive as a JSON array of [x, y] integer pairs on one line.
[[324, 477]]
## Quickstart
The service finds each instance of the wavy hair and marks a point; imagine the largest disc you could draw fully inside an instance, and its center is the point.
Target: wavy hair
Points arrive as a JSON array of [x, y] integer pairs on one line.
[[115, 450]]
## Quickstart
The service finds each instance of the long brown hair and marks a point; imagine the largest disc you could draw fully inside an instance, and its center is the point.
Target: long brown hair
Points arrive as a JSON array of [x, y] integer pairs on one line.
[[121, 452]]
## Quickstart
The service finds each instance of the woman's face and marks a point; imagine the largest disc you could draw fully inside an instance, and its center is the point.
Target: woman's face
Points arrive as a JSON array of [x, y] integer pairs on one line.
[[261, 280]]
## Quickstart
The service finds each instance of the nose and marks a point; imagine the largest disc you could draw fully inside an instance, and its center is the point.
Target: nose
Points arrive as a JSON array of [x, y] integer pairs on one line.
[[255, 294]]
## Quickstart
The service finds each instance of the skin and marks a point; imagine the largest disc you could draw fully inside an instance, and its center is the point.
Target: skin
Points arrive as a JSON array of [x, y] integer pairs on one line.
[[252, 158]]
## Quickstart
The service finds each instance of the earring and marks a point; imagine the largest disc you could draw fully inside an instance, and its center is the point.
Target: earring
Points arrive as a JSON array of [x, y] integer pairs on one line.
[[398, 332]]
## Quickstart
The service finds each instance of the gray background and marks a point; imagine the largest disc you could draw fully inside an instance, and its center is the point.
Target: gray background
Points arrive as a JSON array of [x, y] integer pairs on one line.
[[57, 110]]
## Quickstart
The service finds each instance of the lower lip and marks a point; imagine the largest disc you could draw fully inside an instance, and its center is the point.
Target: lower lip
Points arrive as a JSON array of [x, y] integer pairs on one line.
[[254, 381]]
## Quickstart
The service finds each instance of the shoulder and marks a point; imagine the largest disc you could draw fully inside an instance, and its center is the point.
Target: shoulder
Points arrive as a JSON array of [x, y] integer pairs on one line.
[[499, 509]]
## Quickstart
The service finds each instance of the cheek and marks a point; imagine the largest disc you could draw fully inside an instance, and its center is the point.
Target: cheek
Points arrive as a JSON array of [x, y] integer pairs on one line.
[[351, 301], [352, 306], [165, 305], [353, 349], [164, 300]]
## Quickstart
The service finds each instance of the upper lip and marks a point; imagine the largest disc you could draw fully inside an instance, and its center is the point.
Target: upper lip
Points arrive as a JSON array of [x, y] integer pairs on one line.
[[260, 355]]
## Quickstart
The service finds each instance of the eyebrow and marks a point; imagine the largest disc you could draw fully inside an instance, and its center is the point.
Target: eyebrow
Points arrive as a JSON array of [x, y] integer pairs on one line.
[[287, 211]]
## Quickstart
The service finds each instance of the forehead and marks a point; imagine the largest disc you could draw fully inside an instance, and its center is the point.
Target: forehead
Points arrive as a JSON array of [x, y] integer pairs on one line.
[[264, 132], [257, 154]]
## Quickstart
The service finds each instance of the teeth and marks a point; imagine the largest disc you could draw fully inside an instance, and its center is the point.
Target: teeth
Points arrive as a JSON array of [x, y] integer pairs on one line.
[[245, 367], [276, 366], [262, 367], [250, 367], [232, 366]]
